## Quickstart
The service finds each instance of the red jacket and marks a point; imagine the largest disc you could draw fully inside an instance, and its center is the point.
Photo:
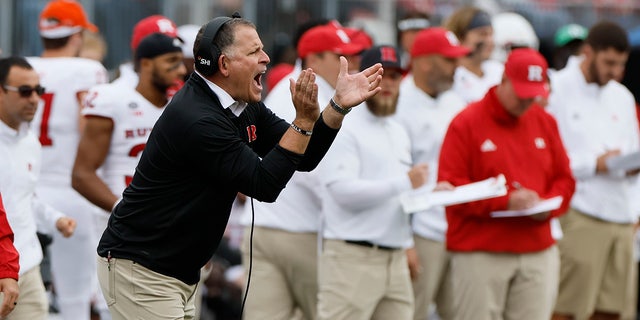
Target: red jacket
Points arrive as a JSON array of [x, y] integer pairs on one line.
[[484, 141], [8, 255]]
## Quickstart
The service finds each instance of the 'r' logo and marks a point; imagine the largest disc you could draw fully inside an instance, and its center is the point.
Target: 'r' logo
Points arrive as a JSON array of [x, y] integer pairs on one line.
[[388, 54], [343, 36], [165, 26], [535, 73], [251, 133]]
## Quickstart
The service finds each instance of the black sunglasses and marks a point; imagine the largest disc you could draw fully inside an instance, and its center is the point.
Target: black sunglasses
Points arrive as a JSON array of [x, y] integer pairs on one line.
[[26, 91]]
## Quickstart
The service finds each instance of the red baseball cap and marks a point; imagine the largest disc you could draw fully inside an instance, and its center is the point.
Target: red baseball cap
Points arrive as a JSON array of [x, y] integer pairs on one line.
[[62, 18], [359, 36], [527, 70], [438, 40], [152, 24], [327, 38]]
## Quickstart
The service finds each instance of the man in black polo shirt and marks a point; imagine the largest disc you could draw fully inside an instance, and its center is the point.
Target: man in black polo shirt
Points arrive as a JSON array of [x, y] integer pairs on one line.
[[214, 139]]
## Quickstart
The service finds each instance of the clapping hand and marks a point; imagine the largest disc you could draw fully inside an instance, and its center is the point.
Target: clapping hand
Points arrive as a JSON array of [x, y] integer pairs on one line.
[[304, 93], [353, 89]]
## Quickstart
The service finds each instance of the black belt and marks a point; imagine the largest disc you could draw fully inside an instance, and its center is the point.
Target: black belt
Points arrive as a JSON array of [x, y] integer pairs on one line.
[[369, 245]]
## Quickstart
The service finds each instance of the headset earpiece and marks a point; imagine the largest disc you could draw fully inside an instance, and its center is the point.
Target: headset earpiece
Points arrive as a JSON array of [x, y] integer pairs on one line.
[[208, 54]]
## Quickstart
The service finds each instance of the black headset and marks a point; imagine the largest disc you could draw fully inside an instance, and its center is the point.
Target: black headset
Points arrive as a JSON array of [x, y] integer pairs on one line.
[[208, 53]]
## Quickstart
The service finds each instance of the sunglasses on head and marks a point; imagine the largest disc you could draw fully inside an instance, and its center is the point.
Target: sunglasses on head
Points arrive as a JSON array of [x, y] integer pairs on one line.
[[26, 91]]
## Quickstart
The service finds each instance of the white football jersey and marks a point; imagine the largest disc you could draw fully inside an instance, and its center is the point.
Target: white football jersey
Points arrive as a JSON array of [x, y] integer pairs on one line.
[[56, 121], [133, 118]]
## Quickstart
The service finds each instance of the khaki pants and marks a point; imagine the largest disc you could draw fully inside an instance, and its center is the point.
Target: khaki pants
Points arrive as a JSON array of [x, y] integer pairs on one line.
[[596, 266], [284, 275], [496, 286], [433, 283], [32, 301], [134, 292], [361, 283]]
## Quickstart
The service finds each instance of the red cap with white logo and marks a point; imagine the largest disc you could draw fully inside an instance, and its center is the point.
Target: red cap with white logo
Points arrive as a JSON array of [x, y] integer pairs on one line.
[[438, 40], [527, 70], [150, 25], [327, 38]]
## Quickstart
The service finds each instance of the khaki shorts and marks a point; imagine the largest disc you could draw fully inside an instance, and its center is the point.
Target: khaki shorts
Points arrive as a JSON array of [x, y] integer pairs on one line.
[[596, 265]]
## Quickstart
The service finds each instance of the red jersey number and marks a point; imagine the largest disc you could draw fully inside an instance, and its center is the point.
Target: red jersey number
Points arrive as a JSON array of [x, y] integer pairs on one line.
[[134, 152], [45, 139]]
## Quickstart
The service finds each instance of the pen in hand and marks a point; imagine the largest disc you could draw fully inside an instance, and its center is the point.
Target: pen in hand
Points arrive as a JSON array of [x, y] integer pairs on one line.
[[521, 198]]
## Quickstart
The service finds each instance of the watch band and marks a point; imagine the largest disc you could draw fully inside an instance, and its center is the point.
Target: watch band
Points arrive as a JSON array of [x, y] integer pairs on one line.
[[339, 108], [300, 130]]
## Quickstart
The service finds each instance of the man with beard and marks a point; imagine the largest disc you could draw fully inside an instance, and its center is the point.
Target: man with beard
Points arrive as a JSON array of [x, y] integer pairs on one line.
[[156, 23], [285, 274], [425, 108], [120, 119], [363, 270], [597, 120]]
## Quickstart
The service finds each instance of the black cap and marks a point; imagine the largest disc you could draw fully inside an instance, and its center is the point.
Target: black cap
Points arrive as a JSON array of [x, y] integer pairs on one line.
[[157, 44], [386, 55]]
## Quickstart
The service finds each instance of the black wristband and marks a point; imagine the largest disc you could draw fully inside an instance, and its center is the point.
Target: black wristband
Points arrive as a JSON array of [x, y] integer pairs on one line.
[[339, 108], [300, 130]]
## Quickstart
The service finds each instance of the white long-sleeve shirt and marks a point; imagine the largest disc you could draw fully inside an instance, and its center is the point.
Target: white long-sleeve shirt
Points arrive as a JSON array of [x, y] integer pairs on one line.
[[297, 208], [365, 171], [592, 120], [427, 119], [20, 164]]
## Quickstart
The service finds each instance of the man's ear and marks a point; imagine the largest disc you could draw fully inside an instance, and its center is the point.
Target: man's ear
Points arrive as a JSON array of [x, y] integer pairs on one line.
[[223, 65], [144, 63]]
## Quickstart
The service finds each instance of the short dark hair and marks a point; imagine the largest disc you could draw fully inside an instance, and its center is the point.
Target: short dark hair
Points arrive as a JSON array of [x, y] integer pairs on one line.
[[225, 36], [607, 34], [7, 63], [52, 44]]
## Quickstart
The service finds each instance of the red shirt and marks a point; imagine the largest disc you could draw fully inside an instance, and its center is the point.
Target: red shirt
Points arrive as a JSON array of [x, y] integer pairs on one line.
[[484, 141], [8, 255]]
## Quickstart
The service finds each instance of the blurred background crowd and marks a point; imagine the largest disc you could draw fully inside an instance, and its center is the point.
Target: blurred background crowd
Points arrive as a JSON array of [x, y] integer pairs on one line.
[[277, 18]]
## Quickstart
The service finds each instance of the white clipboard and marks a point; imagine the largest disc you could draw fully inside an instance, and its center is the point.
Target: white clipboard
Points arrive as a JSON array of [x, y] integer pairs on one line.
[[542, 206], [425, 198]]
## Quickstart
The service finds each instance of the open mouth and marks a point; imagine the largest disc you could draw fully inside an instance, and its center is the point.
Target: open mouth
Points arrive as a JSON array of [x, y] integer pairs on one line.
[[258, 79]]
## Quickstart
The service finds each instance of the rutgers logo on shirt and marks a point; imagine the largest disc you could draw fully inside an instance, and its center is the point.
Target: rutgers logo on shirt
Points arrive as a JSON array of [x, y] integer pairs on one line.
[[539, 142], [251, 133]]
